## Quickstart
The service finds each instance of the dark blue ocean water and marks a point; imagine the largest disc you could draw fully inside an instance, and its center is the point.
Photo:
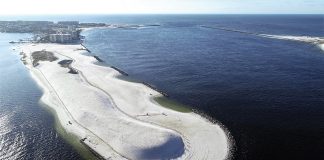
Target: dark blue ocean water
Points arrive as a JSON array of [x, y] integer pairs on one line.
[[269, 93]]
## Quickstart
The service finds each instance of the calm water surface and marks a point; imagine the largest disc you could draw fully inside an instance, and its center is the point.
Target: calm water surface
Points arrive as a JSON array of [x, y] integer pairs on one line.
[[26, 128], [268, 93]]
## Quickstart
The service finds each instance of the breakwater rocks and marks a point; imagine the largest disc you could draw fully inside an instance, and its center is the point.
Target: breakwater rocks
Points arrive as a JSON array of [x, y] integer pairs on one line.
[[85, 48], [205, 115], [97, 155], [230, 138], [88, 50], [119, 70], [146, 84], [154, 88], [229, 30], [98, 59], [126, 74]]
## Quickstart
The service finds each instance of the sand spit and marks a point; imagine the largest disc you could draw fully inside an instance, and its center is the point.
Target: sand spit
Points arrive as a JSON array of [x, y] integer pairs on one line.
[[119, 119], [319, 41], [307, 39]]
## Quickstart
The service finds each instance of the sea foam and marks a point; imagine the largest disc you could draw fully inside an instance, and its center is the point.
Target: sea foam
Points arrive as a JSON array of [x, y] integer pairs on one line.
[[319, 41], [322, 46], [308, 39]]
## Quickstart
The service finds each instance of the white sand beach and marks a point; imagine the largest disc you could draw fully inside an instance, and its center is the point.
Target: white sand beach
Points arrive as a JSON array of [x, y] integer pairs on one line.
[[120, 119], [322, 46]]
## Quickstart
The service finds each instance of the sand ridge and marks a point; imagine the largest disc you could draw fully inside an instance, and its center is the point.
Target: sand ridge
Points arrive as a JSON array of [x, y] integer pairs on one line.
[[120, 119]]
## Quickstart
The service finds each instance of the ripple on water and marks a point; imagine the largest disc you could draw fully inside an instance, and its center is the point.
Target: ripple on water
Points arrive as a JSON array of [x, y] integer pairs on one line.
[[26, 129], [12, 141]]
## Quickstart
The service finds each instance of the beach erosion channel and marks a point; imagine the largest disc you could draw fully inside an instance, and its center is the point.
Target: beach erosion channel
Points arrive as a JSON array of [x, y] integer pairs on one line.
[[114, 118]]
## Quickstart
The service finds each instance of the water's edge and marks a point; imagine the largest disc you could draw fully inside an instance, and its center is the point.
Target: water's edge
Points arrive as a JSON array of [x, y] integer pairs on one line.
[[70, 138]]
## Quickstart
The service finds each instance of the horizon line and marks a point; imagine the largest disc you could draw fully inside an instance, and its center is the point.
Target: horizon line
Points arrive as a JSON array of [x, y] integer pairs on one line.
[[67, 14]]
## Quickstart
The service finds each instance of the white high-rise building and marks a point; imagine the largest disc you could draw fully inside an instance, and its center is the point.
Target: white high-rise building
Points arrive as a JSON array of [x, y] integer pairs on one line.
[[60, 38]]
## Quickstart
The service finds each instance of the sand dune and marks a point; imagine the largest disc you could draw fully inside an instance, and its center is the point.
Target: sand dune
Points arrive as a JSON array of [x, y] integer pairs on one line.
[[120, 119]]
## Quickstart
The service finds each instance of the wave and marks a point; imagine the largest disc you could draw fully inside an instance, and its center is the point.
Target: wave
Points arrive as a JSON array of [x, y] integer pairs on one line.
[[307, 39], [321, 46], [319, 41]]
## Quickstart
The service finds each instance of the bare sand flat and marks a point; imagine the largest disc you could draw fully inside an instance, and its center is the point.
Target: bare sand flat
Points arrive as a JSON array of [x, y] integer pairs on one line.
[[117, 118]]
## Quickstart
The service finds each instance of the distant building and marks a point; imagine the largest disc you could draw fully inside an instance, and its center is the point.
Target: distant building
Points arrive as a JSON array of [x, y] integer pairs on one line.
[[71, 27], [68, 23], [60, 38]]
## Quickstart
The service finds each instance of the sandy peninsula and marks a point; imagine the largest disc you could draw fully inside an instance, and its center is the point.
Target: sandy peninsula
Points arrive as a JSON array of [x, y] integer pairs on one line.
[[118, 119]]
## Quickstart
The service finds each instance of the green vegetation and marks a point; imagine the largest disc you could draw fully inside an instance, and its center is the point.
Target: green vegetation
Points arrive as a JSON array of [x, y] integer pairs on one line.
[[65, 63], [43, 56], [171, 104]]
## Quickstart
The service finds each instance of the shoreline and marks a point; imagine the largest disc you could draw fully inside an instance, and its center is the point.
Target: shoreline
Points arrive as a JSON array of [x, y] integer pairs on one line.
[[159, 121], [317, 41], [71, 139]]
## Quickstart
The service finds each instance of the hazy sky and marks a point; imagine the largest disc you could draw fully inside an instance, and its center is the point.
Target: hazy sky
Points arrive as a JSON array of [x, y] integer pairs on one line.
[[159, 6]]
